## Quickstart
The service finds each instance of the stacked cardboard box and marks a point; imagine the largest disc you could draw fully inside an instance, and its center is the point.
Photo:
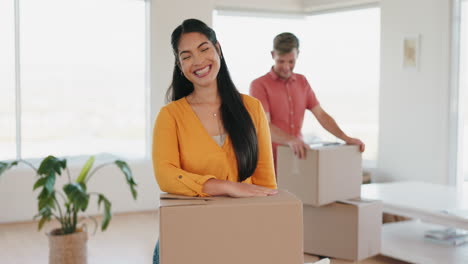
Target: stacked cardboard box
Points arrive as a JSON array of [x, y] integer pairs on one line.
[[214, 230], [336, 222]]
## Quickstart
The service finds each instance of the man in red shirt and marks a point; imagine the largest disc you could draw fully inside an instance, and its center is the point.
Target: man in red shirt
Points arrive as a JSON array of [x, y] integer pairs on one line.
[[286, 95]]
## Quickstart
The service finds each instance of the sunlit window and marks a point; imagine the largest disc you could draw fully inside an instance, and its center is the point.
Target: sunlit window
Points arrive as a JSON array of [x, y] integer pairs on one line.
[[82, 78], [7, 81], [339, 55]]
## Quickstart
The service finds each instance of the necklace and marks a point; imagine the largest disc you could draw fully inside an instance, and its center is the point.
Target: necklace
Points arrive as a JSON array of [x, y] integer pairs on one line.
[[221, 136]]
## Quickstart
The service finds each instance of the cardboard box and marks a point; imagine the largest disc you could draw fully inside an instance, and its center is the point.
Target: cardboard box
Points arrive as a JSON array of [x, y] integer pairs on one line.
[[330, 173], [214, 230], [349, 230]]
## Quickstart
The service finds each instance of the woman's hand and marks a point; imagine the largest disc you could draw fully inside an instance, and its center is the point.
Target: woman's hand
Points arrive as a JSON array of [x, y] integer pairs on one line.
[[217, 187], [239, 189]]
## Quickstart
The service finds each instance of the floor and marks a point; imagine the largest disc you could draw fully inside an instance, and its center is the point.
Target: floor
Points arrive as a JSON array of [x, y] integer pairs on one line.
[[130, 238]]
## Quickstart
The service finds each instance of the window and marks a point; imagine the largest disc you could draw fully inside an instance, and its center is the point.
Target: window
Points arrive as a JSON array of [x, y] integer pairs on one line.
[[339, 55], [7, 81], [463, 86], [82, 79]]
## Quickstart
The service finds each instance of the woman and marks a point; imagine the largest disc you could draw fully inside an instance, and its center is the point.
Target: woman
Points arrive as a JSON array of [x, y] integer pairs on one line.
[[210, 140]]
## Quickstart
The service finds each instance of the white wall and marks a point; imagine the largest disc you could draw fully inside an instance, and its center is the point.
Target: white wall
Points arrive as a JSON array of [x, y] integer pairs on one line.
[[414, 107]]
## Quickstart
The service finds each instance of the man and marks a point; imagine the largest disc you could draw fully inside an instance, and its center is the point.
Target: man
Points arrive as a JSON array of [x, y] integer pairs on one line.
[[286, 95]]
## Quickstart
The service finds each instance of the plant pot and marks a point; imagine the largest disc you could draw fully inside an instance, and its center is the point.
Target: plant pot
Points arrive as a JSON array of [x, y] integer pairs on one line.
[[68, 249]]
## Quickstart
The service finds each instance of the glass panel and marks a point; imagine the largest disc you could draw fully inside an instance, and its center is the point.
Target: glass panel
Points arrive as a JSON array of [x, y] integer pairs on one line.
[[7, 81], [83, 68]]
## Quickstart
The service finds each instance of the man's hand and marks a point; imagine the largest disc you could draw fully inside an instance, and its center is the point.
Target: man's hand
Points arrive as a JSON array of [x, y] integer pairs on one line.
[[298, 147], [331, 126], [355, 141]]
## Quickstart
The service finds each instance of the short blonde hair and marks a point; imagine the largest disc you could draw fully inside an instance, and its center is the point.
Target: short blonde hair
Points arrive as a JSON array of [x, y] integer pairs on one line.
[[285, 43]]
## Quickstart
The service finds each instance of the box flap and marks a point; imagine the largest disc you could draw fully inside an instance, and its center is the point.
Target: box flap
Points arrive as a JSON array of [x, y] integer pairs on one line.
[[175, 202], [281, 198], [169, 196], [167, 200], [319, 145], [359, 202]]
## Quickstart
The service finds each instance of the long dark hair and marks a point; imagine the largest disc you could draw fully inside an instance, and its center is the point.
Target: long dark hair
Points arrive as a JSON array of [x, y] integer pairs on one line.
[[236, 119]]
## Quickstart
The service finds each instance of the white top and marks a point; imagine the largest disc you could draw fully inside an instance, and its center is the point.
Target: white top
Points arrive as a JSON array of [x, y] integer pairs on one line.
[[219, 139]]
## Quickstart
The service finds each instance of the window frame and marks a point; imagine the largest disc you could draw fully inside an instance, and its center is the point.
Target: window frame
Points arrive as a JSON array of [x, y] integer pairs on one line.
[[460, 26], [455, 173]]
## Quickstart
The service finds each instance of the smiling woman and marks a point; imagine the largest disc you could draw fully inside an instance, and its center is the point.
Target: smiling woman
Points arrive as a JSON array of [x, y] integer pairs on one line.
[[209, 140], [199, 59], [205, 100]]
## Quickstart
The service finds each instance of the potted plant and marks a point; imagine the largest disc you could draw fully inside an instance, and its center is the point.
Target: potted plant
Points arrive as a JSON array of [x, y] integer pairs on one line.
[[67, 244]]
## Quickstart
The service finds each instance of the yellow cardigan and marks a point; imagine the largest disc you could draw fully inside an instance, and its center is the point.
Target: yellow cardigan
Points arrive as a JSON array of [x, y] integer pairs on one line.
[[185, 156]]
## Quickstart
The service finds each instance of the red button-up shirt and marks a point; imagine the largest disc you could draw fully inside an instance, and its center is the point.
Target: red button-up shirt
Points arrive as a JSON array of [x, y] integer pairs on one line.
[[284, 100]]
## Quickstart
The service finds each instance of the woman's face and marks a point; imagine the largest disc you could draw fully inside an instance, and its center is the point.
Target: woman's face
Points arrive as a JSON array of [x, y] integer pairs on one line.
[[198, 59]]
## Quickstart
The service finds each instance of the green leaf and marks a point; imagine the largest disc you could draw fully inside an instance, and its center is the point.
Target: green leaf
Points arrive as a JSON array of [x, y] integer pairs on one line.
[[50, 182], [52, 165], [40, 182], [76, 193], [47, 202], [4, 166], [45, 215], [44, 212], [47, 195], [43, 194], [84, 171], [107, 211], [123, 166]]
